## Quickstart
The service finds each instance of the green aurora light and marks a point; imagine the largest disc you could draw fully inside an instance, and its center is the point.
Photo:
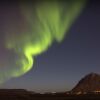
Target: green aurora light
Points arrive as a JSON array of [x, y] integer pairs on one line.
[[46, 22]]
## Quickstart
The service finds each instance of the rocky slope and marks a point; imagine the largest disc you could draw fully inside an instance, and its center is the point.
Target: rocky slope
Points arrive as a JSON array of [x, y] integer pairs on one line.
[[90, 83]]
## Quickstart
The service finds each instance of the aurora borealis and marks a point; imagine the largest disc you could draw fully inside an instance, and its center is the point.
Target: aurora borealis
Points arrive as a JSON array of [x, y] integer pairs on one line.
[[64, 61], [29, 29]]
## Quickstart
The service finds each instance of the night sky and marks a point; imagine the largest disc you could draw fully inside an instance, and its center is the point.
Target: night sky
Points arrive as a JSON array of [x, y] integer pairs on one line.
[[64, 64]]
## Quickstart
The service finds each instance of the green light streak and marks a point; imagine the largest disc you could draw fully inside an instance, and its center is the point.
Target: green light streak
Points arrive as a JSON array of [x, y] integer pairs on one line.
[[47, 22]]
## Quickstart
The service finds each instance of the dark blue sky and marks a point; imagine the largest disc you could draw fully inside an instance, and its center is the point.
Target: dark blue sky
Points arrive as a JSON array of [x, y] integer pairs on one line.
[[63, 65]]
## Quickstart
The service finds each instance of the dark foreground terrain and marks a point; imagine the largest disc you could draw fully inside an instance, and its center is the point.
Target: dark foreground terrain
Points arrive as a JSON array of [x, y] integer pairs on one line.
[[20, 94], [49, 97]]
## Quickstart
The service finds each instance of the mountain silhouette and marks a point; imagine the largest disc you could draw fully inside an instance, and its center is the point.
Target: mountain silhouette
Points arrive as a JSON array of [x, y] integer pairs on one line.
[[90, 83]]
